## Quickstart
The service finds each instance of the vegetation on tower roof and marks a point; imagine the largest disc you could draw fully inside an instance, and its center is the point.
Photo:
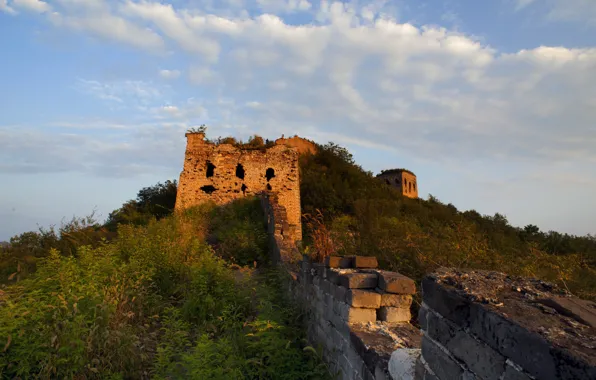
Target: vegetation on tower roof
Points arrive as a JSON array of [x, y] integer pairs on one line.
[[395, 171]]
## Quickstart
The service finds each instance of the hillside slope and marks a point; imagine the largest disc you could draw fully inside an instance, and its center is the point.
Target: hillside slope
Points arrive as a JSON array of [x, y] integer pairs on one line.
[[361, 214]]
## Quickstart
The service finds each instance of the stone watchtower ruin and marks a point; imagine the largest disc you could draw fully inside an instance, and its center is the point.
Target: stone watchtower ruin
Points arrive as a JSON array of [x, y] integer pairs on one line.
[[224, 172], [402, 179]]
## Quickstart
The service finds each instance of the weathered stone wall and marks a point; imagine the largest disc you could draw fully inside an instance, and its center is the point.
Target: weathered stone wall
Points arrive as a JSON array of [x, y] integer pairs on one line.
[[356, 313], [403, 180], [222, 173], [360, 317], [487, 325], [282, 244]]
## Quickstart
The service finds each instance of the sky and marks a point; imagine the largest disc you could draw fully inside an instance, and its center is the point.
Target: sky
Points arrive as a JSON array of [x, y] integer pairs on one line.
[[491, 103]]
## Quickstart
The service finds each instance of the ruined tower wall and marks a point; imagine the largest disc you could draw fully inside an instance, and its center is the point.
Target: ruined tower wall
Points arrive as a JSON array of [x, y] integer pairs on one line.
[[303, 146], [210, 174]]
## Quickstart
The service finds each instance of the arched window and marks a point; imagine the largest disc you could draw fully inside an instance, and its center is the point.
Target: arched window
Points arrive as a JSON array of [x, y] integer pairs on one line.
[[210, 169], [270, 173], [269, 187], [244, 188], [414, 186], [240, 171], [387, 181]]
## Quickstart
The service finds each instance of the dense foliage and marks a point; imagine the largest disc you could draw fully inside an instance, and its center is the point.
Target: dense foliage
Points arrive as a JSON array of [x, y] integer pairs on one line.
[[157, 301], [361, 214], [156, 201], [254, 142]]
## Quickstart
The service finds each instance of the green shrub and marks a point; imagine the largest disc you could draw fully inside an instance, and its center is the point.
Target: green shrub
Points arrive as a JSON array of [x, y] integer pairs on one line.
[[156, 301], [237, 231]]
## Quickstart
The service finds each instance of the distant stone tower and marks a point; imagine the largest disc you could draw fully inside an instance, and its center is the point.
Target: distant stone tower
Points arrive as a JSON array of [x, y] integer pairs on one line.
[[402, 179]]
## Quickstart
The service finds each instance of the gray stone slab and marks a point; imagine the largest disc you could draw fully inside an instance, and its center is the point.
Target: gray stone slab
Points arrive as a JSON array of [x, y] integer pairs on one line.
[[478, 356], [443, 366], [529, 350], [581, 310], [512, 373], [537, 356], [446, 302], [397, 283], [340, 293]]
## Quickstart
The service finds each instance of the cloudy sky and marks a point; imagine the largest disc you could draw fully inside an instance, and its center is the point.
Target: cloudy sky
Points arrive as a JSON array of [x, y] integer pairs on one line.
[[491, 103]]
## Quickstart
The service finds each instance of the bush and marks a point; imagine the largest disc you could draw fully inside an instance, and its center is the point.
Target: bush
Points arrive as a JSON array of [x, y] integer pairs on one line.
[[156, 301], [238, 232]]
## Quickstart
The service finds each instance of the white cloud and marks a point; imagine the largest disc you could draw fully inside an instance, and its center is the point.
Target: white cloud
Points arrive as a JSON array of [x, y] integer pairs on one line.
[[127, 93], [173, 110], [4, 7], [32, 5], [201, 75], [169, 74], [563, 10], [284, 6], [108, 26], [359, 73], [173, 26]]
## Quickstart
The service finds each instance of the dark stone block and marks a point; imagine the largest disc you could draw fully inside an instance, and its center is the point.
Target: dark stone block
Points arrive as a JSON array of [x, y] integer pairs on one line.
[[338, 262], [478, 357], [373, 348], [570, 367], [422, 316], [341, 293], [581, 310], [445, 301], [512, 373], [444, 367], [530, 350], [320, 269], [332, 275]]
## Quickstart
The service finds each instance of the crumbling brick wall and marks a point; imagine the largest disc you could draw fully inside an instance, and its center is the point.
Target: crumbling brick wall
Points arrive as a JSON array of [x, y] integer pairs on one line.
[[222, 173]]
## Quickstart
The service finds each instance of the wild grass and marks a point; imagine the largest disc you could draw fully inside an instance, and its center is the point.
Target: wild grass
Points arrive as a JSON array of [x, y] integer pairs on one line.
[[157, 301]]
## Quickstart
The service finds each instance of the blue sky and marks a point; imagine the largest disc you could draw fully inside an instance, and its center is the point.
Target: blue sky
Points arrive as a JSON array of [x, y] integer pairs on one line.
[[491, 103]]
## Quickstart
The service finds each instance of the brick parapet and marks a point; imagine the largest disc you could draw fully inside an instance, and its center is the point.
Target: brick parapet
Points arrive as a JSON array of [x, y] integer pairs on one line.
[[487, 325]]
